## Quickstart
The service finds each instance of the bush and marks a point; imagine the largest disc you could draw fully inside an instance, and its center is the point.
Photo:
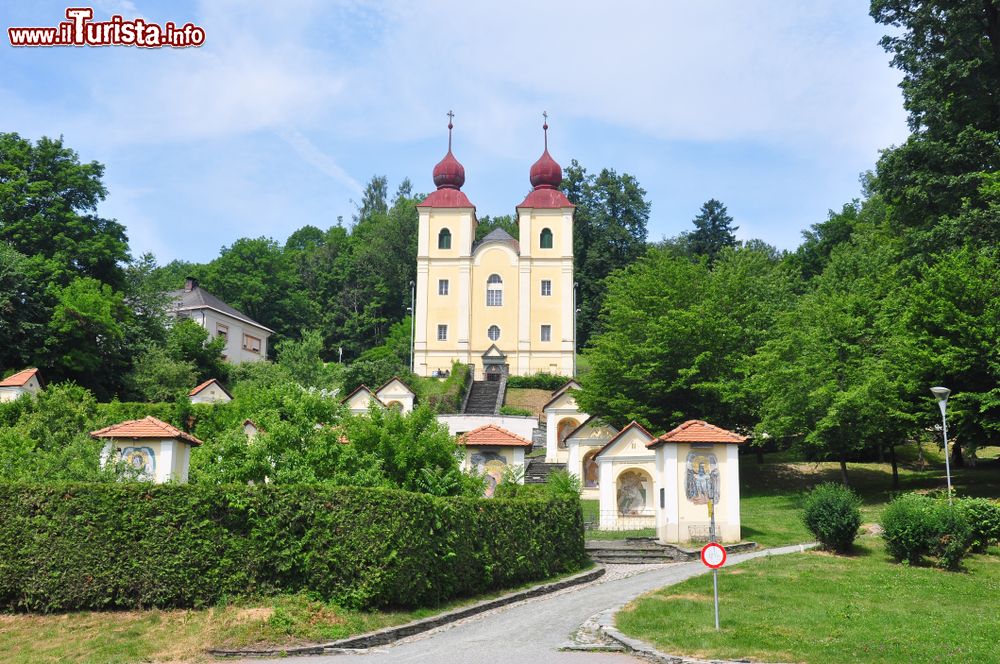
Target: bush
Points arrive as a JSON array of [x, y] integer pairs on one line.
[[984, 519], [915, 526], [515, 410], [538, 381], [833, 516], [132, 545]]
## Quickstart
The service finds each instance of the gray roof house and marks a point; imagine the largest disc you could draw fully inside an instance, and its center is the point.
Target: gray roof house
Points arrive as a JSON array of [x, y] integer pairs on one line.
[[246, 339]]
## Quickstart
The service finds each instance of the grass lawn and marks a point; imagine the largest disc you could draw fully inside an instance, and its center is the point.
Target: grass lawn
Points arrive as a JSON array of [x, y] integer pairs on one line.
[[771, 493], [816, 607], [120, 637]]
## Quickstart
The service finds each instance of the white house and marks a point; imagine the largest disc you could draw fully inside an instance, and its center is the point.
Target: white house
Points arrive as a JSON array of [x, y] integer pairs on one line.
[[396, 393], [211, 391], [697, 467], [246, 339], [157, 450], [28, 381], [491, 450], [626, 470], [562, 417], [582, 446], [359, 401]]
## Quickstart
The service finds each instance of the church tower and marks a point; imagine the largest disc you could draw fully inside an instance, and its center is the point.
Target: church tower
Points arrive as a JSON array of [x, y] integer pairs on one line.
[[503, 304]]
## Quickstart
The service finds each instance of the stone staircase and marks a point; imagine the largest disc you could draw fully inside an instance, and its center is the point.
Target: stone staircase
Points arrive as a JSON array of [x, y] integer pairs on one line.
[[483, 398], [538, 471], [633, 552], [645, 551]]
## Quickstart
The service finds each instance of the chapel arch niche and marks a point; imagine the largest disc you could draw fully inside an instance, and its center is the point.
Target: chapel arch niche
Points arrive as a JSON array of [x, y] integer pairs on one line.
[[634, 492], [591, 470], [565, 428]]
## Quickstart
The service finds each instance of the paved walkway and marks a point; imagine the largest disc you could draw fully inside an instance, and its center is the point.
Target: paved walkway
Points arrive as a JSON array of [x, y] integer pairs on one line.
[[531, 632]]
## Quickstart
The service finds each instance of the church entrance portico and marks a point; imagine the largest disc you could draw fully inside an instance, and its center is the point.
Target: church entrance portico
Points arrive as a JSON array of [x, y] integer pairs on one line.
[[494, 364]]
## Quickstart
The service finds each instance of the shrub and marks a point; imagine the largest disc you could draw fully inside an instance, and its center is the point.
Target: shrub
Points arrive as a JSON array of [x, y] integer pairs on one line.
[[515, 410], [833, 515], [538, 381], [915, 526], [133, 545], [984, 519], [907, 528]]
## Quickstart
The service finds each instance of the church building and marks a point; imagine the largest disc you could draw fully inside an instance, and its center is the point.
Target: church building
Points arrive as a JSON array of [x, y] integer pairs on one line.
[[502, 304]]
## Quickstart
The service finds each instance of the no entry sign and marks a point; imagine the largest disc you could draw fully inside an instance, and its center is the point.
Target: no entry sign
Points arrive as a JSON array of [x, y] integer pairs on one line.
[[713, 555]]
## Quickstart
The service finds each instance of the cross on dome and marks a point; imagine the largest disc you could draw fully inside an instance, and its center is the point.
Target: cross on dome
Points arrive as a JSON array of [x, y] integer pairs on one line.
[[449, 173], [546, 173]]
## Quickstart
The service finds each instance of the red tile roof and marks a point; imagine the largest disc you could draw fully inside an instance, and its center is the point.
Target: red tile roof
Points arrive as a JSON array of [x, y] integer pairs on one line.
[[447, 198], [493, 435], [631, 425], [147, 427], [698, 431], [206, 384], [19, 379]]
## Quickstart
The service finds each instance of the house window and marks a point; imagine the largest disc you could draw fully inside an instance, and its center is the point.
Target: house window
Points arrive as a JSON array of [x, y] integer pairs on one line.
[[546, 287], [546, 333], [222, 331], [494, 291], [442, 332], [444, 239], [251, 344], [493, 333], [545, 241], [442, 286]]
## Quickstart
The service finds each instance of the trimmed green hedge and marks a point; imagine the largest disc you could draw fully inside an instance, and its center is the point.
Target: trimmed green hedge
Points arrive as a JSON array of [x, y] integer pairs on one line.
[[538, 381], [131, 545]]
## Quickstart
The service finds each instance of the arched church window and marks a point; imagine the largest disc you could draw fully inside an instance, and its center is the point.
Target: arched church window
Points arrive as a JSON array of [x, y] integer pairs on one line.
[[444, 239], [494, 291], [493, 333], [546, 239]]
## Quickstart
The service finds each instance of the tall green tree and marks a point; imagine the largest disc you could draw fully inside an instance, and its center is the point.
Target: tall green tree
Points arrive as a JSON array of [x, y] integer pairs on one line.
[[949, 53], [713, 230], [826, 382], [22, 310], [675, 334], [609, 233], [48, 212]]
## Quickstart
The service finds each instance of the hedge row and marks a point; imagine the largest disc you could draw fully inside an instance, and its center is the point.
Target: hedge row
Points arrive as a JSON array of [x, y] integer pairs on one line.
[[131, 545], [538, 381]]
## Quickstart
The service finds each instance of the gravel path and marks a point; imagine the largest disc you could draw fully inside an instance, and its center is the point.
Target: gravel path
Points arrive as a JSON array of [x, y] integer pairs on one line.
[[532, 631]]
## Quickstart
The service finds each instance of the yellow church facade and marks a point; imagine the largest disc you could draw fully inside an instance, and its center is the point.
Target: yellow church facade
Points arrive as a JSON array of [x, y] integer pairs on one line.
[[502, 304]]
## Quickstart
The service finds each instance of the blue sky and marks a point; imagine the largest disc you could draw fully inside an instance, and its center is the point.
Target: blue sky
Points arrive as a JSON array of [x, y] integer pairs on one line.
[[775, 108]]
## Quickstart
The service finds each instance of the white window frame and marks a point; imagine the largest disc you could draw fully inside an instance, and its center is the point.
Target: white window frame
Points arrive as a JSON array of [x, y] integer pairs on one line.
[[494, 291], [442, 286], [546, 333], [490, 336], [546, 287], [442, 332]]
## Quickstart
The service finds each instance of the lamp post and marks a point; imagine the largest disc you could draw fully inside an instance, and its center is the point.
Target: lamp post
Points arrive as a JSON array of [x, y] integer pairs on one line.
[[941, 394], [575, 312], [413, 297]]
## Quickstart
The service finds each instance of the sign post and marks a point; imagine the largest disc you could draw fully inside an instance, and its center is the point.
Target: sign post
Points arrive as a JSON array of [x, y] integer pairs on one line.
[[713, 555]]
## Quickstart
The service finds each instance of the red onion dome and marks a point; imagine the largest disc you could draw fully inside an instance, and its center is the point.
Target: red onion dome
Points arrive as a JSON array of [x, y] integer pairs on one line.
[[449, 173], [546, 173]]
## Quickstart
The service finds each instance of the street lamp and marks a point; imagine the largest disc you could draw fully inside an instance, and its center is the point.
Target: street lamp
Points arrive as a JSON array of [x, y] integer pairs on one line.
[[941, 394], [413, 298]]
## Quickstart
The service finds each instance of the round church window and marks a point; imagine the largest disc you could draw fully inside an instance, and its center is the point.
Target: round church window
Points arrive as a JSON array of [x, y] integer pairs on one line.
[[493, 333]]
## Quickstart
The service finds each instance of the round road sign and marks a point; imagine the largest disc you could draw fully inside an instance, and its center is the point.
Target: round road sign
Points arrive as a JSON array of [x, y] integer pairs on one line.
[[713, 555]]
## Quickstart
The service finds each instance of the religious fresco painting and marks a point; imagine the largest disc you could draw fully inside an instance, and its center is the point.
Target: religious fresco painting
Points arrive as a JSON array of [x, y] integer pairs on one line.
[[702, 478], [493, 465], [140, 459], [591, 471], [632, 493]]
